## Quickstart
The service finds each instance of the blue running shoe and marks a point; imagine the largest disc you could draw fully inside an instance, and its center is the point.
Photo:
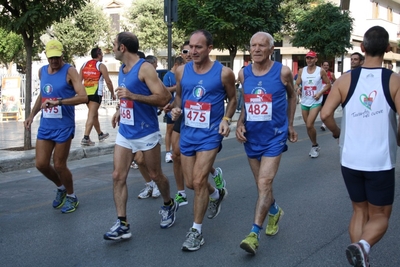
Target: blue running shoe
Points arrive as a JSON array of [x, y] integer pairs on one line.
[[120, 230], [168, 215], [60, 198], [70, 205]]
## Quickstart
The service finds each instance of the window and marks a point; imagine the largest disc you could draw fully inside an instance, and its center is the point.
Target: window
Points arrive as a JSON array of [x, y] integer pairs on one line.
[[390, 14], [375, 10], [115, 22], [225, 60]]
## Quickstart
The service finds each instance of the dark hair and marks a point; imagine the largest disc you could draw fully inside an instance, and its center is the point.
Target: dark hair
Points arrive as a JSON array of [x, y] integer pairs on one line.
[[179, 60], [361, 57], [185, 44], [141, 54], [129, 40], [95, 52], [376, 41], [207, 34], [151, 59]]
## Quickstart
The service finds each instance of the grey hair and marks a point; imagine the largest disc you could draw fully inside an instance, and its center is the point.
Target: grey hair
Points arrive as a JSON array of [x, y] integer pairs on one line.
[[269, 36]]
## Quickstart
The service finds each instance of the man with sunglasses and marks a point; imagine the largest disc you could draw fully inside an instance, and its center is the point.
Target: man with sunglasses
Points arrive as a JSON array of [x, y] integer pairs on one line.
[[93, 74], [312, 78], [60, 90], [140, 92]]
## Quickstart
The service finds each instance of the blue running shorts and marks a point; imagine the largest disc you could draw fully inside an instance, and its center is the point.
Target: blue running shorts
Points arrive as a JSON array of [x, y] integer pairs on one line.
[[56, 135], [273, 149], [191, 149]]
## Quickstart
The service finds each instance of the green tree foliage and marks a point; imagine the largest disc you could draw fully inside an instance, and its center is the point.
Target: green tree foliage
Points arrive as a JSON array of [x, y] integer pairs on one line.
[[292, 11], [326, 30], [232, 23], [147, 16], [11, 44], [29, 18], [81, 32]]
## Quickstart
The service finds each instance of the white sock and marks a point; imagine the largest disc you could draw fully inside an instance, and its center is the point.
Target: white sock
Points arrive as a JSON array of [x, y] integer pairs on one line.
[[215, 194], [62, 187], [367, 246], [71, 195], [197, 227], [215, 173], [182, 192], [152, 183]]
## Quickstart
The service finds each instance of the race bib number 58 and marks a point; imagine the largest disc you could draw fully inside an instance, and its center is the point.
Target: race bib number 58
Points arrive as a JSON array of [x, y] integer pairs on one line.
[[258, 107], [52, 113], [197, 114]]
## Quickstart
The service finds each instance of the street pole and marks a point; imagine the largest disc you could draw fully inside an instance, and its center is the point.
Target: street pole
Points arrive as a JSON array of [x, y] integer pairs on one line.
[[169, 25], [170, 15]]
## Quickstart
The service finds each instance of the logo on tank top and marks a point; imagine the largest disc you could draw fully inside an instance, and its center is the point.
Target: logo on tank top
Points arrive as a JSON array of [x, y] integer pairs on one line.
[[258, 91], [199, 91], [48, 89], [367, 100]]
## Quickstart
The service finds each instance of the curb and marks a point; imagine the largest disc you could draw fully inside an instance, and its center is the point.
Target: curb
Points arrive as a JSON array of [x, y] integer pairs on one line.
[[26, 159]]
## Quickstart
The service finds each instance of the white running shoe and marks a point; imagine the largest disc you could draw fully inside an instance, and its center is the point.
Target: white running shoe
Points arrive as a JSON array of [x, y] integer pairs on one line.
[[156, 193], [314, 152], [168, 157], [146, 192], [134, 165]]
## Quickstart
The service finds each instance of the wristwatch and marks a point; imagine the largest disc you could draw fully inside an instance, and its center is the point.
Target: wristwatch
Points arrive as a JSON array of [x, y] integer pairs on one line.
[[59, 101]]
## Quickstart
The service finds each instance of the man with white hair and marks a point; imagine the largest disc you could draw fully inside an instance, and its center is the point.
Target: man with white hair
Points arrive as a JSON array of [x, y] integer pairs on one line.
[[263, 127]]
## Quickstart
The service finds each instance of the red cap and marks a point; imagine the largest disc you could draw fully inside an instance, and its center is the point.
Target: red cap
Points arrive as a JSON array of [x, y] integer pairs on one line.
[[311, 54]]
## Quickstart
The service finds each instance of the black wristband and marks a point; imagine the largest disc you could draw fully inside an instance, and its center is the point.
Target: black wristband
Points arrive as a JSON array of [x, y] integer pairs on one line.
[[59, 101]]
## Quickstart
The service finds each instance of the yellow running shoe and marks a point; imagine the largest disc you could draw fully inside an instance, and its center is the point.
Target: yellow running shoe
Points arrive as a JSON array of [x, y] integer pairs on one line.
[[272, 226], [250, 243]]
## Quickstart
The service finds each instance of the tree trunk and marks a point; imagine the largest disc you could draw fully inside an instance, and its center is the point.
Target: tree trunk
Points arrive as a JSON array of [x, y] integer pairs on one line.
[[28, 41], [232, 54]]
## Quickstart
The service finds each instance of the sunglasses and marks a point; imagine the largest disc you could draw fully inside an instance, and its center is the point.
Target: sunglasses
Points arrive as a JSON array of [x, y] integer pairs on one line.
[[185, 51]]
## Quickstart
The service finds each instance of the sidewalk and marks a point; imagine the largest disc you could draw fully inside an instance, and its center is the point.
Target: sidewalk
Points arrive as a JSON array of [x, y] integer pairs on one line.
[[12, 133]]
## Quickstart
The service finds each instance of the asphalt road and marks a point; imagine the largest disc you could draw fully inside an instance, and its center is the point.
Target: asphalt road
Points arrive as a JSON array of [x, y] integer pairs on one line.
[[313, 231]]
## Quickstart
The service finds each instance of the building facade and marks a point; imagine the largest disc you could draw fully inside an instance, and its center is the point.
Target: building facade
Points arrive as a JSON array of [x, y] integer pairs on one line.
[[366, 13]]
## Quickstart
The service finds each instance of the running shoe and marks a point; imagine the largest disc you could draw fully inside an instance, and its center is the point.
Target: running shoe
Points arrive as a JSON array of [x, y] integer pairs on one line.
[[70, 205], [181, 200], [168, 157], [146, 192], [194, 240], [103, 136], [60, 198], [219, 182], [356, 255], [168, 215], [134, 165], [120, 230], [314, 152], [87, 142], [155, 193], [272, 226], [323, 127], [214, 206], [250, 243]]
